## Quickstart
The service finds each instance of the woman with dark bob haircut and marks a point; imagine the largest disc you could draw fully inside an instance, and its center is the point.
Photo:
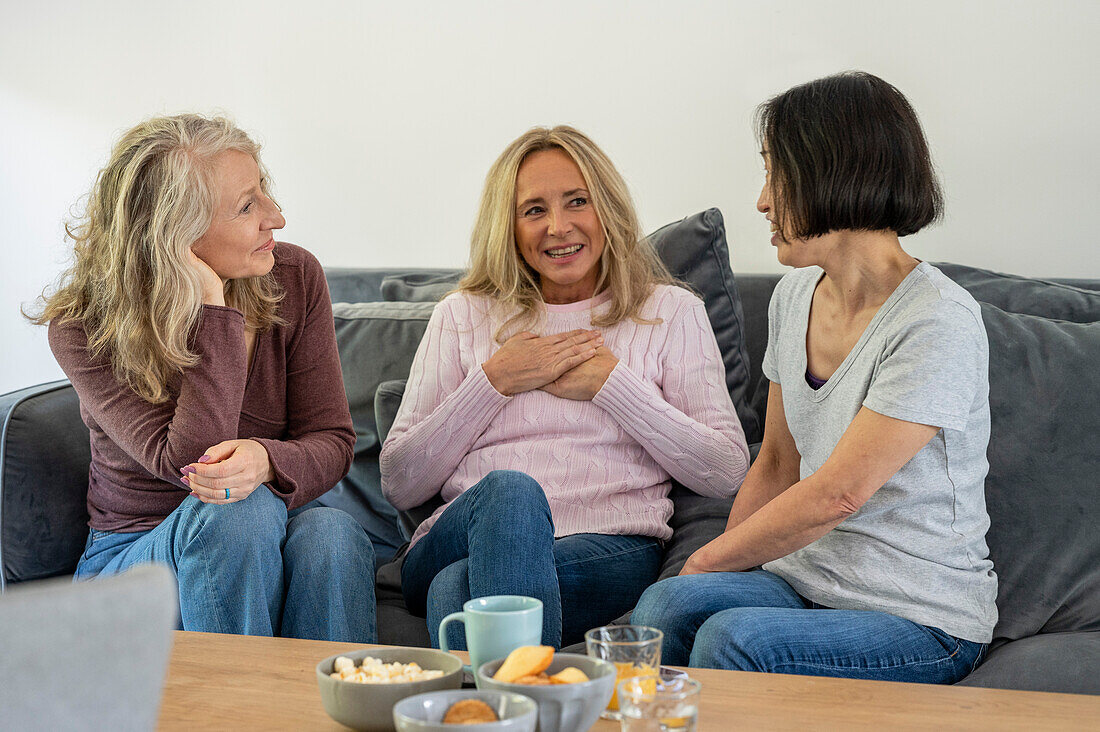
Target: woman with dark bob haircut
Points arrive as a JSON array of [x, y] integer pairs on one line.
[[856, 545]]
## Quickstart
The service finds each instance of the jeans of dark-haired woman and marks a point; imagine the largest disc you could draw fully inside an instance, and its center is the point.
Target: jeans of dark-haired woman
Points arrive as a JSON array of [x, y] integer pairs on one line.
[[755, 621]]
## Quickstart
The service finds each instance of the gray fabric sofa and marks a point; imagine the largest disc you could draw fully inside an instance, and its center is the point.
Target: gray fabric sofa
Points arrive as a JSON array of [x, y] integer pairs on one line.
[[1043, 490]]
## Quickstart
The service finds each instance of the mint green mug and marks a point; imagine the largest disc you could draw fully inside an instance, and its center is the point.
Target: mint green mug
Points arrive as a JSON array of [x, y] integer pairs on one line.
[[496, 626]]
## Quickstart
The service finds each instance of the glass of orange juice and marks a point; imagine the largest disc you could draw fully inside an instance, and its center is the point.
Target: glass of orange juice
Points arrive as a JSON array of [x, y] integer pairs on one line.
[[634, 649]]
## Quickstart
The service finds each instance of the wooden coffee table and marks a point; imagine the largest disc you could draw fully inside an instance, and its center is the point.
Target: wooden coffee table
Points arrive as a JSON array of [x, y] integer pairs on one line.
[[241, 682]]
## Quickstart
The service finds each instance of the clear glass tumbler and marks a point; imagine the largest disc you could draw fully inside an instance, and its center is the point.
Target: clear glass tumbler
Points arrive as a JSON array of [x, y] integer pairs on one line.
[[650, 704], [634, 649]]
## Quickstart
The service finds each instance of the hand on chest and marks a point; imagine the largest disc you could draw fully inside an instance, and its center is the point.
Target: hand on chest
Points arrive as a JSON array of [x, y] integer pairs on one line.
[[644, 358]]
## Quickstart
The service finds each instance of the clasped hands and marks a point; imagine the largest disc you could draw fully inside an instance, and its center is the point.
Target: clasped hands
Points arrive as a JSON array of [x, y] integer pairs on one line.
[[238, 465], [571, 365]]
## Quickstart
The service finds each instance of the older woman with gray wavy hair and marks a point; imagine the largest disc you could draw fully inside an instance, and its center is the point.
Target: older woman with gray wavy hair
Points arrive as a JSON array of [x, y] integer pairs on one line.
[[204, 356]]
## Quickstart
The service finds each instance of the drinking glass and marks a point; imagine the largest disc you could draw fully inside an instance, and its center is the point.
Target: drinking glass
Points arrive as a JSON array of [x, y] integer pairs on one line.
[[652, 704], [634, 649]]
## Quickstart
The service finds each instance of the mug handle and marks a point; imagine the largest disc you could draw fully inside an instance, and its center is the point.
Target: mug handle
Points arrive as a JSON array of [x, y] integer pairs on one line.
[[461, 617]]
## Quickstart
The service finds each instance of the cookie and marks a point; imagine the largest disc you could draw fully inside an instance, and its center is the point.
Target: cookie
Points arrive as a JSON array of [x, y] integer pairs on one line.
[[469, 711], [539, 679]]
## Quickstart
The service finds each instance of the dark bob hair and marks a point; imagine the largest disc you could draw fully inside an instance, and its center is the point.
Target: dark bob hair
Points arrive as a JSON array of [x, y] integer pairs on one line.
[[847, 152]]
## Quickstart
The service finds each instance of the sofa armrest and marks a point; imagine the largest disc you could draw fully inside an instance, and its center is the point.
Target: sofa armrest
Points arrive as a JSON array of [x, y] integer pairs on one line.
[[387, 400], [44, 458]]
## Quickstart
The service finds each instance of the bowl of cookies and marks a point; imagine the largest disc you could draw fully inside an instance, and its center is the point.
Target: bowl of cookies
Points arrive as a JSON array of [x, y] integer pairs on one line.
[[360, 688], [469, 710], [570, 689]]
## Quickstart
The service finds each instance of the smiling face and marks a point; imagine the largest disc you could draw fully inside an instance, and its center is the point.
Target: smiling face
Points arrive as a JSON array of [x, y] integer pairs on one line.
[[557, 230], [240, 239]]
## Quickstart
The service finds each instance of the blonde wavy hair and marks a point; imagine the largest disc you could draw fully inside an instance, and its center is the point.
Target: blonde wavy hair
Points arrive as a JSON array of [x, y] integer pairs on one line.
[[629, 265], [131, 284]]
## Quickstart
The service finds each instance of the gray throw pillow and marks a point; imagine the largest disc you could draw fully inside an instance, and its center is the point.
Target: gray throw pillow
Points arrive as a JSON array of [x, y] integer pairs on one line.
[[695, 251], [1043, 493], [422, 286], [377, 341]]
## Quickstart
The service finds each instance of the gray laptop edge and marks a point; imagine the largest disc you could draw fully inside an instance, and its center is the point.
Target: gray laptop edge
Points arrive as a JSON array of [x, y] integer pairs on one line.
[[89, 655]]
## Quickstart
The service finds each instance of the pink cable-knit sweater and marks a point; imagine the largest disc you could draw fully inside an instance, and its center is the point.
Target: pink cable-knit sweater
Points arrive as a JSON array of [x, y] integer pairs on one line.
[[604, 464]]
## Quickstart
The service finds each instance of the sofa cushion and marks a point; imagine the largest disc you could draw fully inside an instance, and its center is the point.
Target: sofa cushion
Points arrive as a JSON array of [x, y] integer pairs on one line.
[[695, 251], [1042, 492], [695, 521], [755, 293], [396, 625], [1060, 662], [376, 342], [44, 457]]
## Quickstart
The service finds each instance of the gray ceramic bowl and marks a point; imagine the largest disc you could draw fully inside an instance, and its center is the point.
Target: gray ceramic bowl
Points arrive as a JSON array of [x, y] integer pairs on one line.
[[424, 712], [562, 707], [370, 706]]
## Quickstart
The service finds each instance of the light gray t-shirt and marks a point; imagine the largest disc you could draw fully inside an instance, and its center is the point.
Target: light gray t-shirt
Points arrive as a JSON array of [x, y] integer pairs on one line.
[[916, 548]]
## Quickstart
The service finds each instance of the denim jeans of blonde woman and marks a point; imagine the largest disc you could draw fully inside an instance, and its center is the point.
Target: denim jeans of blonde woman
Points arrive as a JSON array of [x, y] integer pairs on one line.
[[497, 538], [754, 621], [252, 568]]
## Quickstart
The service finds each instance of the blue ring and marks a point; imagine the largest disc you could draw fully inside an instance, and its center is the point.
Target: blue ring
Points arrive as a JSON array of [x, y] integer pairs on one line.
[[227, 494]]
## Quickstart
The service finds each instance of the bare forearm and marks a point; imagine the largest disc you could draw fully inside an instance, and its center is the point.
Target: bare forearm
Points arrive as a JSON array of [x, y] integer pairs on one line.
[[798, 516], [766, 479]]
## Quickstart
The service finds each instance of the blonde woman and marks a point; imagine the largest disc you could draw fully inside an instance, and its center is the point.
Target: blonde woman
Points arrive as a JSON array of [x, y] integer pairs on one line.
[[204, 356], [554, 396]]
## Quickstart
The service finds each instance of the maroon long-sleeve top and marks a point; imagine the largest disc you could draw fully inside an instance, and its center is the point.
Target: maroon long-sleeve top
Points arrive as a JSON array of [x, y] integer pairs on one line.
[[291, 400]]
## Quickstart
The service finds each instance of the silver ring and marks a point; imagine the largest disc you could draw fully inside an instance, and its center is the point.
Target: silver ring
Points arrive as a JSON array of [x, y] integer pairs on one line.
[[227, 494]]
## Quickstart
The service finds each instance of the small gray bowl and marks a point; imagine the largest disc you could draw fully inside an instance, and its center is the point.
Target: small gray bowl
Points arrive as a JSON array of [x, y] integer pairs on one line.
[[425, 712], [562, 707], [370, 706]]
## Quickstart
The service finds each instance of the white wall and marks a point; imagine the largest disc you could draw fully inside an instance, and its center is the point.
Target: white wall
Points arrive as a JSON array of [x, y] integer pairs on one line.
[[380, 119]]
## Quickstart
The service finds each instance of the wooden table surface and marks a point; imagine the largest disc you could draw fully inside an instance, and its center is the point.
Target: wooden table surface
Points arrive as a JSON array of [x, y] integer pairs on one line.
[[240, 682]]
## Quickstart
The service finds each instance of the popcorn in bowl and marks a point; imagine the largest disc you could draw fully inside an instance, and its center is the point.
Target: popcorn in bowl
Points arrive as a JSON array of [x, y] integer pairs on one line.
[[375, 671]]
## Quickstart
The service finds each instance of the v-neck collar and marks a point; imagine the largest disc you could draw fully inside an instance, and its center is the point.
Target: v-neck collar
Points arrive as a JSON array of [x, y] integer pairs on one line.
[[880, 314]]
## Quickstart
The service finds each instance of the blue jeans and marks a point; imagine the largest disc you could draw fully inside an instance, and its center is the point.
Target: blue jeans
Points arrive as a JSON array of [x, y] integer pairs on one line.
[[497, 538], [754, 621], [251, 568]]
